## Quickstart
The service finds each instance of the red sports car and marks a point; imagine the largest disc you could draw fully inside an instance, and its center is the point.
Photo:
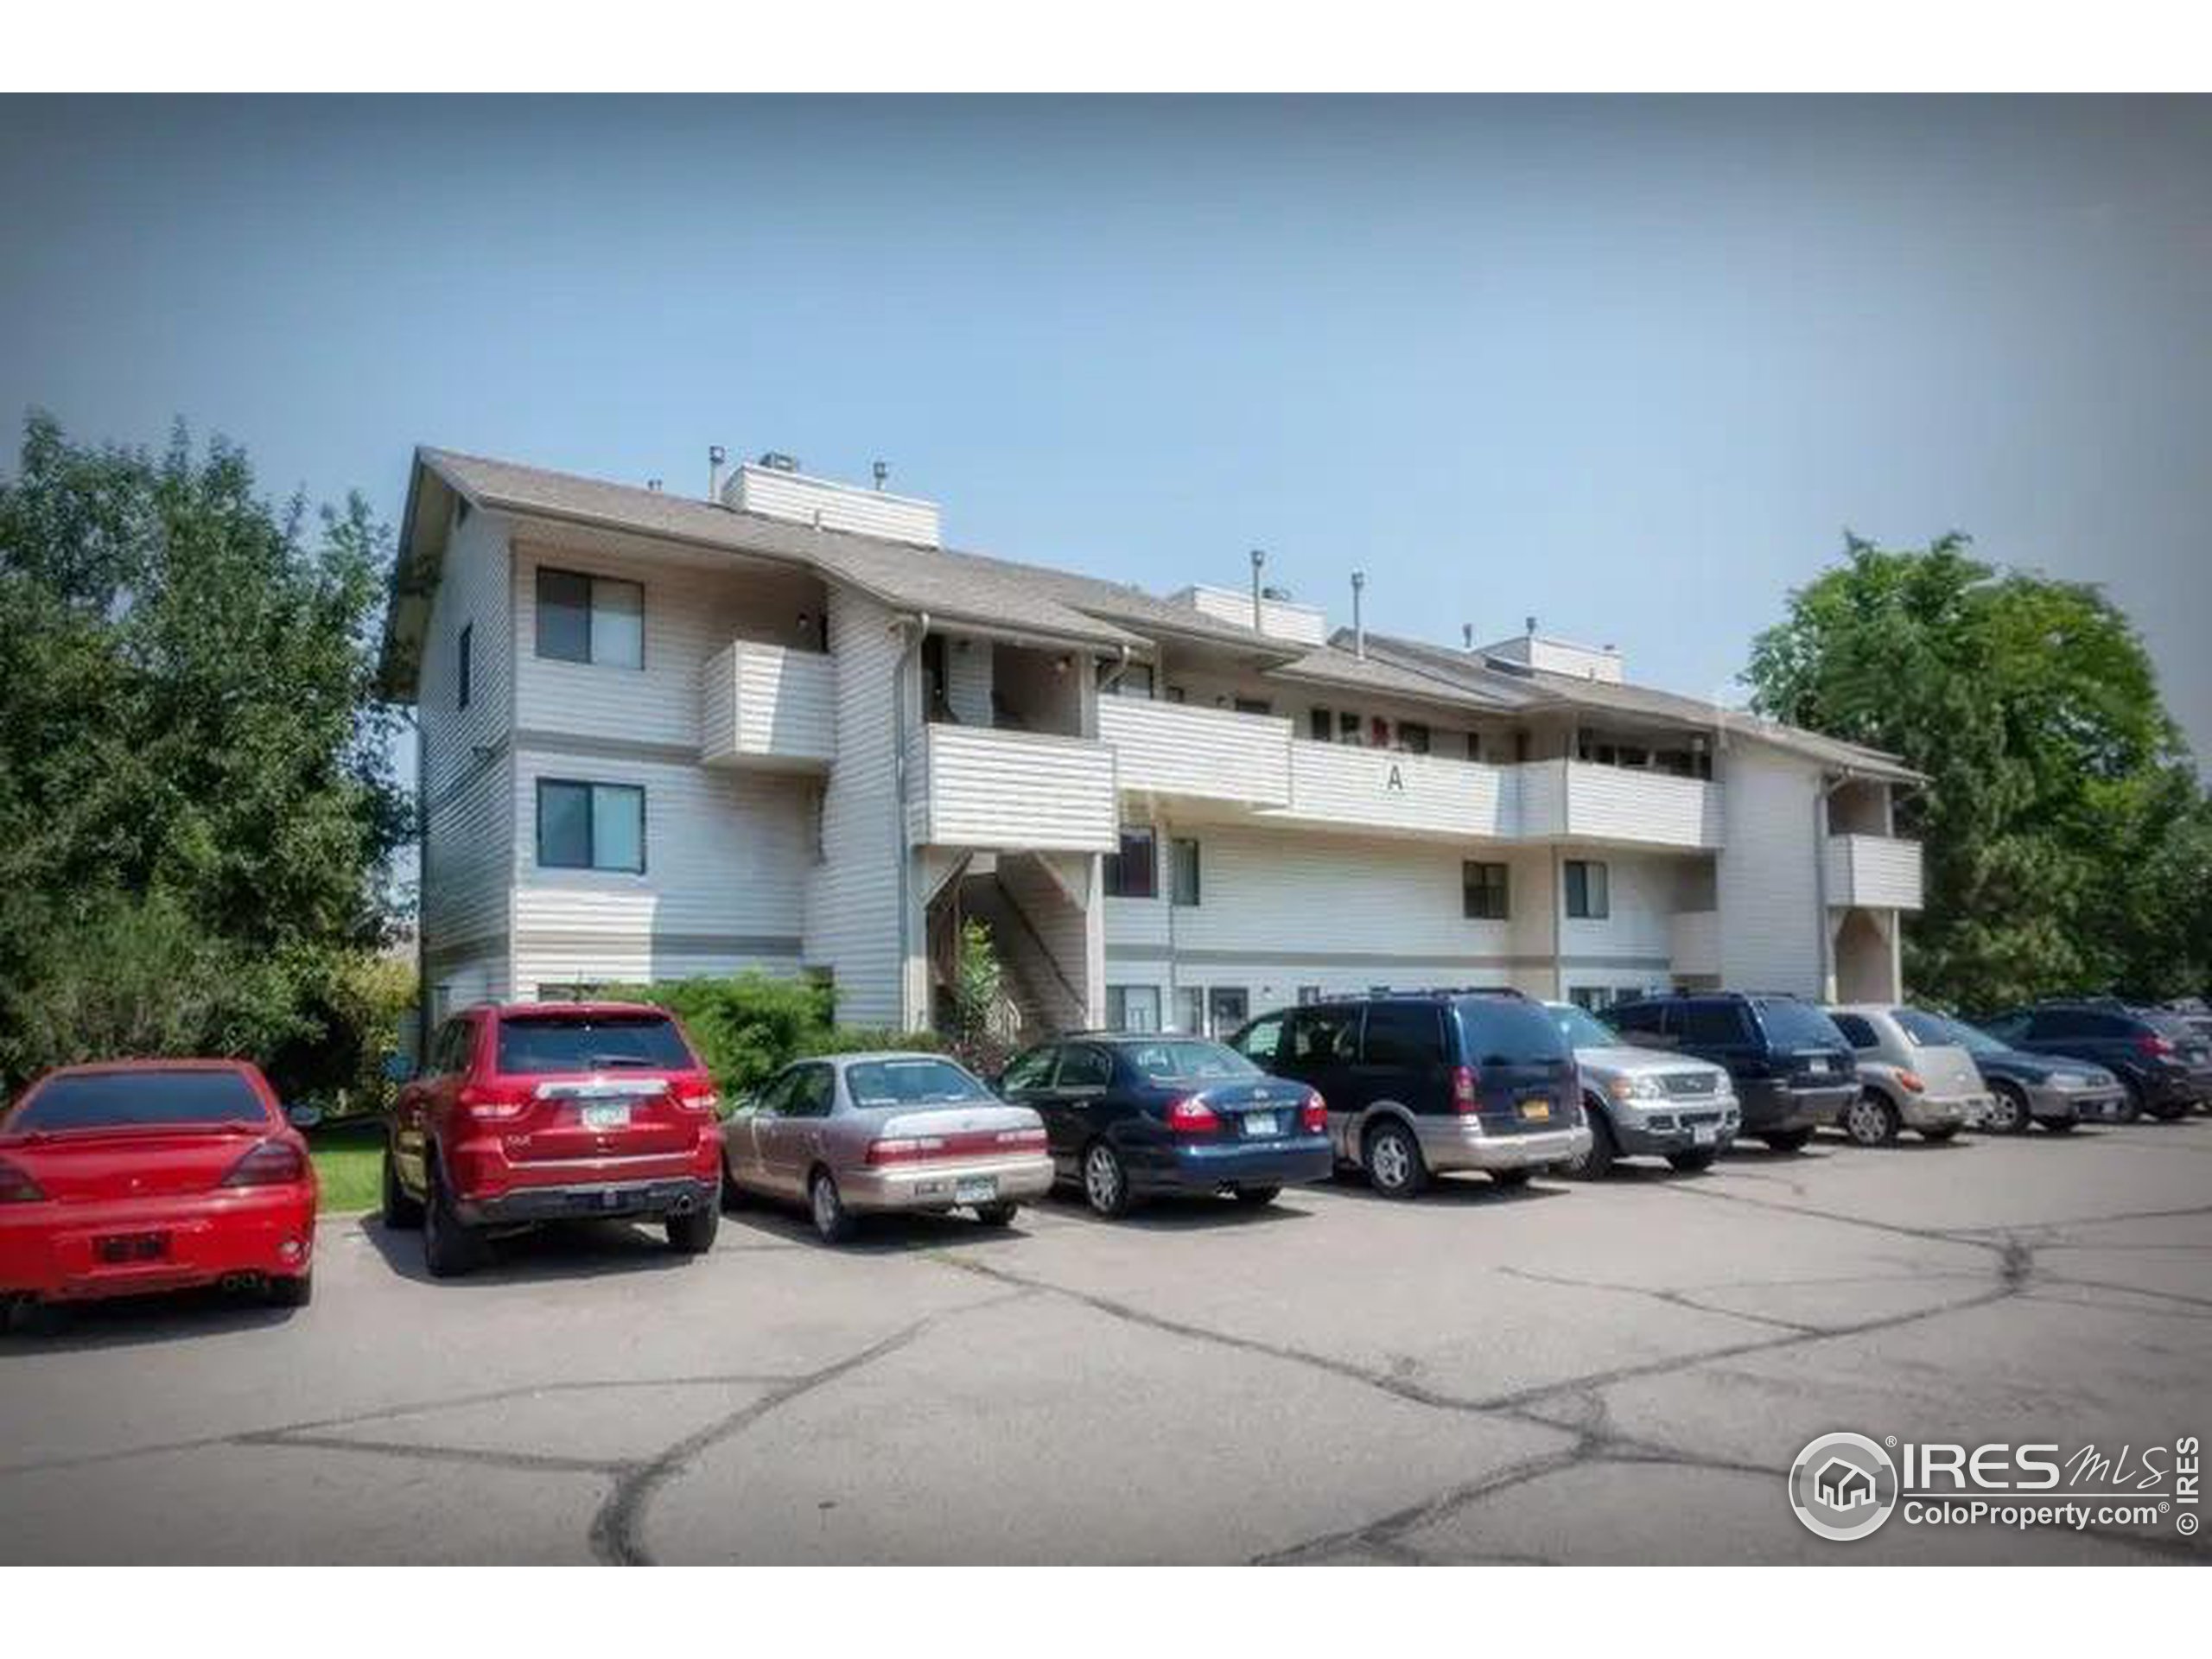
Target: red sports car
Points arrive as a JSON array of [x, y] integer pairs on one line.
[[152, 1175]]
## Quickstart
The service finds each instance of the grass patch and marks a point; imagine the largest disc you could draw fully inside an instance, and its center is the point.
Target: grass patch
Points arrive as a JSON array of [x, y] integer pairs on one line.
[[349, 1162]]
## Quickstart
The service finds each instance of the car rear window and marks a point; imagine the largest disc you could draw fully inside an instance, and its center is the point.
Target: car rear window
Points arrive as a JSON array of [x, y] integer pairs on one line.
[[1187, 1062], [1926, 1030], [119, 1100], [1798, 1025], [534, 1043], [1403, 1034], [910, 1083], [1505, 1033]]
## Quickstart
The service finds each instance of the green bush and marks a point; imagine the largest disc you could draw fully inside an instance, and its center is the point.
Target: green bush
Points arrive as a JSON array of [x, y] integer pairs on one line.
[[746, 1027]]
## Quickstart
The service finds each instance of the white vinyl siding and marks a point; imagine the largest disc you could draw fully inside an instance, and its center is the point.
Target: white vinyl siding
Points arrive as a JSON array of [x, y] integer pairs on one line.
[[1177, 749], [1000, 789], [1768, 879], [1877, 872], [766, 706]]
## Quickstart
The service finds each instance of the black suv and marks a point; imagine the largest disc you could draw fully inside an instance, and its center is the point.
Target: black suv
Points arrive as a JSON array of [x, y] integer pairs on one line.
[[1793, 1069], [2165, 1064], [1421, 1082]]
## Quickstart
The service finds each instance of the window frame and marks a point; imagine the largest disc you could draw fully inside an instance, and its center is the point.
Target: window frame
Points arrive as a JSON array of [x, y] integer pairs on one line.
[[1178, 847], [1117, 865], [1570, 868], [593, 582], [1475, 885], [591, 786], [1122, 993]]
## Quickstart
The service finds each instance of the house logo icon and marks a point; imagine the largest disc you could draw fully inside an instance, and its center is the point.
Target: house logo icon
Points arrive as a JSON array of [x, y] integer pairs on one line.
[[1843, 1486]]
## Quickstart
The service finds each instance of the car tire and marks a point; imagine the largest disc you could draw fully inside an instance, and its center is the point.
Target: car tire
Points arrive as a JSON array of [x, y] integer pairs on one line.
[[1870, 1121], [1936, 1137], [2131, 1111], [2171, 1111], [996, 1214], [296, 1291], [2008, 1110], [1787, 1139], [1596, 1163], [732, 1198], [1690, 1163], [1511, 1180], [1258, 1197], [2058, 1125], [693, 1232], [1394, 1166], [403, 1212], [833, 1222], [450, 1249], [1105, 1181]]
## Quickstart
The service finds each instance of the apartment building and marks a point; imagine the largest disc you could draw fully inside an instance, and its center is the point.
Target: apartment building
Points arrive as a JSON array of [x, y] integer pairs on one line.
[[784, 726]]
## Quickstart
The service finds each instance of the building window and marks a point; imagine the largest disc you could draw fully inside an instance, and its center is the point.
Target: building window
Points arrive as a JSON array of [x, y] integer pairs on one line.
[[1320, 725], [1183, 874], [1191, 1009], [591, 826], [1135, 680], [1347, 727], [1590, 998], [465, 650], [1482, 893], [1308, 993], [1133, 1008], [1587, 897], [1413, 737], [1252, 705], [590, 619], [1131, 872]]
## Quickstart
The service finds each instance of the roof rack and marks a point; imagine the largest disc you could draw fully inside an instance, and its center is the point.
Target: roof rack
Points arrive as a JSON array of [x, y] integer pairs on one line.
[[1374, 993]]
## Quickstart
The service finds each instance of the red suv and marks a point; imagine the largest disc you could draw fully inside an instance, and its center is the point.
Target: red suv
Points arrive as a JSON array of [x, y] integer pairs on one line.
[[546, 1111]]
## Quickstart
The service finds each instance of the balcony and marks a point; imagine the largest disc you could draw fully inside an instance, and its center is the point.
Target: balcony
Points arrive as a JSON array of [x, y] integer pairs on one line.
[[1387, 792], [1573, 800], [1183, 753], [763, 706], [975, 786], [1874, 872], [1694, 942]]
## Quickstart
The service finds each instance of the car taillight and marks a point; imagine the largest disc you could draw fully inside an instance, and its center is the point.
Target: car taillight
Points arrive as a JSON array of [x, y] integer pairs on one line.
[[904, 1150], [1022, 1137], [493, 1102], [1191, 1115], [1467, 1089], [16, 1186], [1313, 1116], [2151, 1043], [1911, 1082], [273, 1163], [698, 1098]]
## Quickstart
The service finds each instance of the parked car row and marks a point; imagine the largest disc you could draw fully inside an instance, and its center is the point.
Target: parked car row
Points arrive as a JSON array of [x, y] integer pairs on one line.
[[154, 1175]]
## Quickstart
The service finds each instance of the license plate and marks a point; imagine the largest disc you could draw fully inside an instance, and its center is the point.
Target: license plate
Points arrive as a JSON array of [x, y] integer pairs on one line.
[[1536, 1111], [976, 1189], [604, 1116], [1262, 1123], [1703, 1134], [133, 1247]]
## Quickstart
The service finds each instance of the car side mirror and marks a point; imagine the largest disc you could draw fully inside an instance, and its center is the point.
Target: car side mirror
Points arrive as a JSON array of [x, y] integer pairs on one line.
[[303, 1117]]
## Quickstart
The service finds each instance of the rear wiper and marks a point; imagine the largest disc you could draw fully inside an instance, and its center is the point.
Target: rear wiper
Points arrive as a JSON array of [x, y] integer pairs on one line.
[[604, 1062]]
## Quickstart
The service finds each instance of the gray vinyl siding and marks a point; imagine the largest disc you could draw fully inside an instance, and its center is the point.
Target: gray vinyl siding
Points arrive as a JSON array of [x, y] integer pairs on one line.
[[1768, 878]]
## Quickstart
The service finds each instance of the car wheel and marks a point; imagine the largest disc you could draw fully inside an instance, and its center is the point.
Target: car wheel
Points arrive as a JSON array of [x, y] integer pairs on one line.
[[1258, 1196], [449, 1249], [995, 1215], [733, 1195], [296, 1292], [2169, 1111], [1689, 1163], [1511, 1180], [2130, 1110], [693, 1232], [1395, 1166], [826, 1204], [1870, 1121], [2008, 1110], [1105, 1182], [1787, 1139], [1596, 1163], [2058, 1125], [403, 1212], [1939, 1136]]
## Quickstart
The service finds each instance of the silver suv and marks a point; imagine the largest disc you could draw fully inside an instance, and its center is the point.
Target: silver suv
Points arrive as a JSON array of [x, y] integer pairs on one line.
[[1645, 1101]]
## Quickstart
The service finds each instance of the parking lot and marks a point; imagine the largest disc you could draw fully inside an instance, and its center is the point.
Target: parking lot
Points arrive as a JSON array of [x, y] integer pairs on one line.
[[1618, 1374]]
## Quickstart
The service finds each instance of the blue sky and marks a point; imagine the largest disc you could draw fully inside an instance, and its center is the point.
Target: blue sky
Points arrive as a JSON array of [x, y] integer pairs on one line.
[[1628, 364]]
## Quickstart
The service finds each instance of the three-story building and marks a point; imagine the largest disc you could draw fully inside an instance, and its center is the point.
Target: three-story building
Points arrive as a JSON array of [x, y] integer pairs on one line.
[[785, 727]]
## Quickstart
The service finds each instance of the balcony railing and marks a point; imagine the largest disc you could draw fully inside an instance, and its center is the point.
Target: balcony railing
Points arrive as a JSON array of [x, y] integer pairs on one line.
[[978, 786], [1576, 800], [1187, 752], [765, 706], [1392, 792], [1874, 872]]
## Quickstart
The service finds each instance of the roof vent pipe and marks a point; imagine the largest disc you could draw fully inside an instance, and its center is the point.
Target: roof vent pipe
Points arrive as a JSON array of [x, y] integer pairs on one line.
[[882, 470], [1259, 559], [715, 456], [1467, 636], [1358, 627], [1530, 626]]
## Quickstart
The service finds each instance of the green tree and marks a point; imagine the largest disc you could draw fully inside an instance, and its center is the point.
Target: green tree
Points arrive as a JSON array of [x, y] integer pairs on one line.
[[196, 802], [2066, 831]]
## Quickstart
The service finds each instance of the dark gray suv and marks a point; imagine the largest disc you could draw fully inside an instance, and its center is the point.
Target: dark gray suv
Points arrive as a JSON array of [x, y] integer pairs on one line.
[[1793, 1069]]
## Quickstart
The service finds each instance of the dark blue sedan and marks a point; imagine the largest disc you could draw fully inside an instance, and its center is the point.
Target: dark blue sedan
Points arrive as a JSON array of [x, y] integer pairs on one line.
[[1135, 1115]]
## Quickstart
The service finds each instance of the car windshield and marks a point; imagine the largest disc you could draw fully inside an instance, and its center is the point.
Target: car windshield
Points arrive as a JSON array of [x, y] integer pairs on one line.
[[910, 1083], [534, 1043], [1973, 1039], [1174, 1062], [132, 1100], [1791, 1024], [1926, 1030], [1582, 1028]]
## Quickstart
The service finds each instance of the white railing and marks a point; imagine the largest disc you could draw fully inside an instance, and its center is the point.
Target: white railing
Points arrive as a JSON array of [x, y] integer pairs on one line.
[[1575, 799], [1177, 750], [978, 787], [1397, 793], [765, 706], [1875, 872]]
